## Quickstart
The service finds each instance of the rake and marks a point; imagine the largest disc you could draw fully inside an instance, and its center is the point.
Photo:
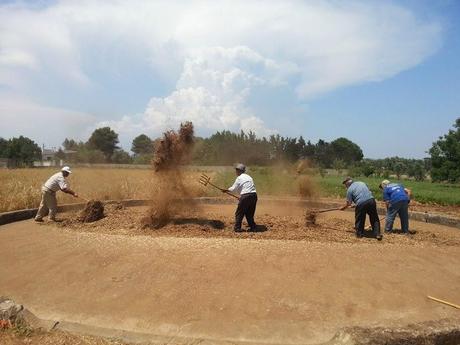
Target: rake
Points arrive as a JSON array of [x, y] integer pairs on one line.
[[310, 216], [206, 180], [369, 228]]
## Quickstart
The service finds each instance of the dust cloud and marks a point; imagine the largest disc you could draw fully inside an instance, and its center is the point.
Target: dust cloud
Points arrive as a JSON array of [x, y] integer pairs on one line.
[[170, 193]]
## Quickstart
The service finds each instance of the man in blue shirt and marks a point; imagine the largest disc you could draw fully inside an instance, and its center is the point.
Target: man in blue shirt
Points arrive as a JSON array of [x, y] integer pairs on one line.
[[359, 194], [397, 199]]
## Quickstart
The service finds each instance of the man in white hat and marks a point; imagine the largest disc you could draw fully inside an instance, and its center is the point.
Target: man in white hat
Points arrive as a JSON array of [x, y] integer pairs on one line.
[[397, 200], [55, 183], [244, 185]]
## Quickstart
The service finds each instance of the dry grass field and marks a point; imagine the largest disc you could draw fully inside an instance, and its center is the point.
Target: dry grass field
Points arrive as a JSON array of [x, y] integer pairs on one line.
[[20, 188]]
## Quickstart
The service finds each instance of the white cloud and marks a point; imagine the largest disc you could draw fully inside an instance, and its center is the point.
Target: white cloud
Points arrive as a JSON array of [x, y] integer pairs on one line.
[[211, 92], [216, 52], [44, 124]]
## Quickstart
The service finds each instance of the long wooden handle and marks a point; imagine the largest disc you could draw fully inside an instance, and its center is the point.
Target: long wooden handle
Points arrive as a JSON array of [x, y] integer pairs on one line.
[[233, 195], [444, 302], [328, 210], [222, 190], [82, 198]]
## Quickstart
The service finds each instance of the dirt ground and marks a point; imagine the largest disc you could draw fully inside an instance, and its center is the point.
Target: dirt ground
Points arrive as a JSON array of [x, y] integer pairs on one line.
[[197, 279], [274, 222], [53, 338]]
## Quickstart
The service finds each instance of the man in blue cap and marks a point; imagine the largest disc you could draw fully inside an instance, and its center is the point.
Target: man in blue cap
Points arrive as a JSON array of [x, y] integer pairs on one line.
[[359, 194], [244, 185], [397, 200]]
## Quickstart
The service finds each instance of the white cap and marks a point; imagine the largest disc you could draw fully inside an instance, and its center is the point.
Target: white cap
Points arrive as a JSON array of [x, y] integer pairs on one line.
[[240, 167], [66, 169], [384, 183]]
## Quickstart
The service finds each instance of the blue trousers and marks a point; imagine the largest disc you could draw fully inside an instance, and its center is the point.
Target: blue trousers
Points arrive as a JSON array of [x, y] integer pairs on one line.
[[400, 208]]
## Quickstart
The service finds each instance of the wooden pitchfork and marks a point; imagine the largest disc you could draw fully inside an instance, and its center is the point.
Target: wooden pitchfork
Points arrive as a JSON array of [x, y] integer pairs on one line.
[[206, 180]]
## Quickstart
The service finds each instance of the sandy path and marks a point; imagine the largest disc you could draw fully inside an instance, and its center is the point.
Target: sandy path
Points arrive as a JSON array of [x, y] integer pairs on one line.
[[217, 288]]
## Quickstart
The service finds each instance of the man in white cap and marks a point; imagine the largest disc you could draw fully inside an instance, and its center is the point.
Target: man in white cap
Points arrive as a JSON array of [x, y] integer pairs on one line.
[[55, 183], [397, 200], [244, 185]]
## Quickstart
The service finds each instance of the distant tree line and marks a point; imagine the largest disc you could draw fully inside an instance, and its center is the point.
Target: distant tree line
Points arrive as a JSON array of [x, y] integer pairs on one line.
[[417, 169], [226, 148], [102, 147]]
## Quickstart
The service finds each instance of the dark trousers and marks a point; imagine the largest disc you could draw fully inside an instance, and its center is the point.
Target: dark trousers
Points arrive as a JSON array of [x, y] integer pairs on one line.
[[246, 208], [400, 208], [368, 207]]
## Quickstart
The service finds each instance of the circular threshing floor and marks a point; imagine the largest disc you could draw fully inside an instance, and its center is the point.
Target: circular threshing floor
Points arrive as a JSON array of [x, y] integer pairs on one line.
[[193, 279]]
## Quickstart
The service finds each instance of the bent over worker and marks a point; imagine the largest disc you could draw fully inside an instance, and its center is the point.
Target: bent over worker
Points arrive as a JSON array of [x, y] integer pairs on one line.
[[55, 183], [397, 200], [359, 194], [244, 185]]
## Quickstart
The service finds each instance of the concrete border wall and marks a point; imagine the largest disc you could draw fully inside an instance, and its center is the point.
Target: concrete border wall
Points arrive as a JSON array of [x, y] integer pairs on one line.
[[14, 216]]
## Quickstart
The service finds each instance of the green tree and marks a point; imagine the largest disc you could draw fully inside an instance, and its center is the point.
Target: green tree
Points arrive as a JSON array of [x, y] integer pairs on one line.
[[3, 148], [419, 172], [445, 156], [86, 155], [398, 169], [324, 155], [121, 157], [367, 168], [105, 140], [23, 151], [70, 144], [346, 150], [142, 145], [339, 165]]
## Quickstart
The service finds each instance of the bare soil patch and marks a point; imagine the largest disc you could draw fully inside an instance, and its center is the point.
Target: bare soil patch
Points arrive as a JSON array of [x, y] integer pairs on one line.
[[53, 338], [274, 223]]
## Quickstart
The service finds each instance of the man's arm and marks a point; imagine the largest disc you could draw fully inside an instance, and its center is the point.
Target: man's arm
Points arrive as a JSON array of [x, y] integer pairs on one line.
[[347, 205], [349, 200], [408, 192], [70, 191], [234, 186], [386, 197]]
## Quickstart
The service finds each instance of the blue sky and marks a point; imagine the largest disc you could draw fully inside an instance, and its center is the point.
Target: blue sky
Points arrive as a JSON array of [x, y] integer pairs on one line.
[[383, 74]]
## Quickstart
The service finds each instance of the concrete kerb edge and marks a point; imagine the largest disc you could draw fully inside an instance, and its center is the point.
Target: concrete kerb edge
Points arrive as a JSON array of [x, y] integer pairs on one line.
[[14, 216]]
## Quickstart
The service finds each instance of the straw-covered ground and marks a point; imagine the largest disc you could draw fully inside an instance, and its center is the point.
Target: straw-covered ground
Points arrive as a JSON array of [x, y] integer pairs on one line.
[[274, 222]]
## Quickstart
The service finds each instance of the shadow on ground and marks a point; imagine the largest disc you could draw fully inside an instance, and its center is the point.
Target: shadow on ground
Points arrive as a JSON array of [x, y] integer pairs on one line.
[[213, 223]]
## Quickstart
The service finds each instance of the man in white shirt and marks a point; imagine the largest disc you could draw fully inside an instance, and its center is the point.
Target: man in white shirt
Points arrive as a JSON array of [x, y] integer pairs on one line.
[[244, 185], [55, 183]]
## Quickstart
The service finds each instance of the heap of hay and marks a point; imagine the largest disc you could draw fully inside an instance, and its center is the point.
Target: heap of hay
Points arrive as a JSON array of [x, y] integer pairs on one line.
[[93, 211], [310, 218]]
